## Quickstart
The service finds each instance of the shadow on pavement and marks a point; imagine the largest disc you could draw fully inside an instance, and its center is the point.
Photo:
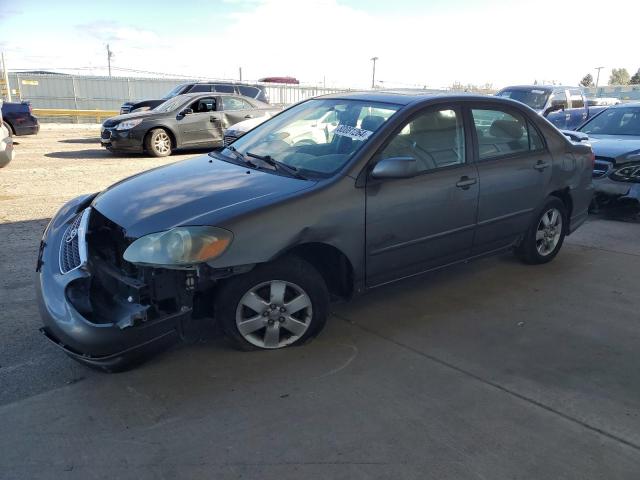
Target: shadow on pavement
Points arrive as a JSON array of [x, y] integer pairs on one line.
[[93, 140], [101, 153]]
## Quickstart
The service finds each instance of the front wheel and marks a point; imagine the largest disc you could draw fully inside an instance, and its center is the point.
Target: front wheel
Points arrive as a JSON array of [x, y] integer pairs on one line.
[[545, 236], [158, 143], [273, 306]]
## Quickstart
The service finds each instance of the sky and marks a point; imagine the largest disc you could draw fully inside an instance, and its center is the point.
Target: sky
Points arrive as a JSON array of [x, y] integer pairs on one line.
[[428, 43]]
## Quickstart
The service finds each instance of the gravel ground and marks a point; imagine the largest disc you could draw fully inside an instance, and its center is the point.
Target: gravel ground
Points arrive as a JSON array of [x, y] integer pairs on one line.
[[61, 162]]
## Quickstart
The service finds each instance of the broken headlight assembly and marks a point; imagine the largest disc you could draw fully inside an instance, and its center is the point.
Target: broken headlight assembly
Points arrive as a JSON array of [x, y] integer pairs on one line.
[[179, 248], [629, 173]]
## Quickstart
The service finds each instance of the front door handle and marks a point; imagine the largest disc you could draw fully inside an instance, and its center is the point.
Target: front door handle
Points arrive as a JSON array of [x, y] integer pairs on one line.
[[248, 116], [465, 182], [540, 165], [213, 119]]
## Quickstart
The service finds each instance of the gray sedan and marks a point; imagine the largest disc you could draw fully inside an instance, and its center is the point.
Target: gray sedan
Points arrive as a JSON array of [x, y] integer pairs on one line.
[[193, 120], [263, 233]]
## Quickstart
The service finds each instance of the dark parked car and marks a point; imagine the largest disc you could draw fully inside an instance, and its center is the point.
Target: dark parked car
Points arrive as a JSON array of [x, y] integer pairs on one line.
[[191, 120], [261, 234], [615, 138], [256, 92], [19, 119], [565, 107]]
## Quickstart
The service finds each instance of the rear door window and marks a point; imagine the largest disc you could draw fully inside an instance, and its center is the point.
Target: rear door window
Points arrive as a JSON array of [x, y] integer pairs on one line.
[[200, 88], [501, 133], [224, 88], [560, 98], [235, 103], [577, 100]]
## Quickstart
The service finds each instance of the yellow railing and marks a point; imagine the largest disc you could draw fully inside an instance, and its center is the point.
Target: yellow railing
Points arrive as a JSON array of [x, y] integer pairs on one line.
[[63, 112]]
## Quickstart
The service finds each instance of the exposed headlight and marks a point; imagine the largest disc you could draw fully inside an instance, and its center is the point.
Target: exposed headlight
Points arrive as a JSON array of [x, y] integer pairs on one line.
[[128, 124], [179, 248], [629, 173]]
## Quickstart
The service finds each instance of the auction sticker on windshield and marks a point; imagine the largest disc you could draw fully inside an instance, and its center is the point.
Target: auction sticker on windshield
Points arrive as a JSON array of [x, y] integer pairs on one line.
[[352, 132]]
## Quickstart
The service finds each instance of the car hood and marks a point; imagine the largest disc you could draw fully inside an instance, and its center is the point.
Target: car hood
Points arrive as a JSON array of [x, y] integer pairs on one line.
[[132, 116], [616, 147], [199, 191]]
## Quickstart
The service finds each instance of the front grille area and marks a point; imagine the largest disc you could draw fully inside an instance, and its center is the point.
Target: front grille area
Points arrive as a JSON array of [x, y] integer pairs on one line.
[[602, 167], [229, 139], [121, 292], [106, 134], [72, 245]]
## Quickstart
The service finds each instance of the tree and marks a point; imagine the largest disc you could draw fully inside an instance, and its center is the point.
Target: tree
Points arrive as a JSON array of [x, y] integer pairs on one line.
[[587, 80], [635, 80], [619, 76]]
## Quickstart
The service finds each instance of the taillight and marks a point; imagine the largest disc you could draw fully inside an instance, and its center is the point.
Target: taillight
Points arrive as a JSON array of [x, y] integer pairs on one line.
[[592, 156], [30, 109]]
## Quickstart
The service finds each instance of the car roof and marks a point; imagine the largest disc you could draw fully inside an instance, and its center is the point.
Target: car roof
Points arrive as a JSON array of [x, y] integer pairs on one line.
[[623, 105], [405, 97], [540, 87], [209, 94]]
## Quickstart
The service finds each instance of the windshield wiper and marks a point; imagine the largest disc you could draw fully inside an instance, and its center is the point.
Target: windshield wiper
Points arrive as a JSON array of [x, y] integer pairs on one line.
[[241, 157], [268, 159]]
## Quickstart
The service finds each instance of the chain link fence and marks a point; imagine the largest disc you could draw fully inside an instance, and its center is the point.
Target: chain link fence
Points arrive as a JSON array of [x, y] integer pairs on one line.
[[53, 91]]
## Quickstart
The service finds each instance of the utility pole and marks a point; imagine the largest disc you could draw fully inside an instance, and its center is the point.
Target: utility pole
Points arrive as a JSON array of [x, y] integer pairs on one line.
[[240, 72], [373, 76], [109, 55], [598, 79], [5, 78]]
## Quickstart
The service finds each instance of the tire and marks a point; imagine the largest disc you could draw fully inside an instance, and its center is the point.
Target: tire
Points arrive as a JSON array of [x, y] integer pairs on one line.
[[545, 235], [274, 290], [158, 143]]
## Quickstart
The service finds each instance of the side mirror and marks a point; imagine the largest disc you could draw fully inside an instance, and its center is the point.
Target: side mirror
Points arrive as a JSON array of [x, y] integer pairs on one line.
[[395, 167], [186, 111], [553, 108]]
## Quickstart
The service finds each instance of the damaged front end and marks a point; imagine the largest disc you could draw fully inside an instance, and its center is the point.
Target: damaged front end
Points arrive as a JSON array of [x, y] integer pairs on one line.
[[616, 182], [105, 311]]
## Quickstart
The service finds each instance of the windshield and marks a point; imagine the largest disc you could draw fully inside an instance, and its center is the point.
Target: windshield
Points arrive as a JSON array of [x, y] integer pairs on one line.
[[534, 98], [615, 121], [169, 105], [175, 91], [315, 137]]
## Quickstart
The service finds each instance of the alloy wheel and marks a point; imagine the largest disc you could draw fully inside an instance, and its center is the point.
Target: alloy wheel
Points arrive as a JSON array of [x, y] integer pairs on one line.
[[162, 142], [549, 231], [274, 314]]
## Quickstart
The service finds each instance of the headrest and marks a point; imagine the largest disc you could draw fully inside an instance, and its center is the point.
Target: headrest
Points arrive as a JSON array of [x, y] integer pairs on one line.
[[371, 122]]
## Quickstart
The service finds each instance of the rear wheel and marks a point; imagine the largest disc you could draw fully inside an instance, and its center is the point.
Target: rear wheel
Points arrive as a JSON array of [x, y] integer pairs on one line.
[[158, 143], [545, 236], [274, 306]]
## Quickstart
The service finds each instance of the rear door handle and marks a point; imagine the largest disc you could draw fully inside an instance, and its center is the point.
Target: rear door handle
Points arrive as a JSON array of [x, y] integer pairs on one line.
[[248, 116], [540, 165], [465, 182]]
